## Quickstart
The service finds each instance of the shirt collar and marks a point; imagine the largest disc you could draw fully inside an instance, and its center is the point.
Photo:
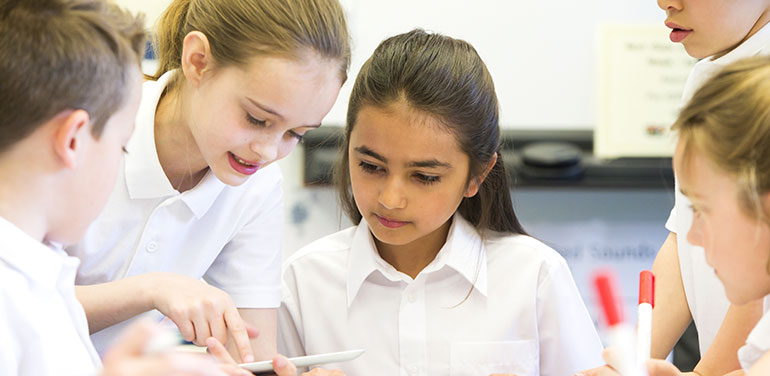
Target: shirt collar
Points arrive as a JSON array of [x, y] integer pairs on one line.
[[750, 47], [45, 265], [145, 178], [463, 252]]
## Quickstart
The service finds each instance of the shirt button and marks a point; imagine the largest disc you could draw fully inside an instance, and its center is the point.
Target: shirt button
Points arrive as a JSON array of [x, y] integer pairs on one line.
[[151, 247], [413, 370], [412, 297]]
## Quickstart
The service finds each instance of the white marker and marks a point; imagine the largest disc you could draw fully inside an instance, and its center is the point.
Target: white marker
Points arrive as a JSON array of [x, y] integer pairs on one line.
[[644, 318]]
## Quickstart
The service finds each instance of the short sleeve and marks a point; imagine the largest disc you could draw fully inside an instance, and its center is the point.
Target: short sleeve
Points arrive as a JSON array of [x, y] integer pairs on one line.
[[567, 337], [249, 266], [290, 318], [672, 222]]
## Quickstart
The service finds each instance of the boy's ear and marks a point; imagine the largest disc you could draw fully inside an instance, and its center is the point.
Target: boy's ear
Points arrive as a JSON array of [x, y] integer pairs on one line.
[[196, 57], [475, 183], [70, 128]]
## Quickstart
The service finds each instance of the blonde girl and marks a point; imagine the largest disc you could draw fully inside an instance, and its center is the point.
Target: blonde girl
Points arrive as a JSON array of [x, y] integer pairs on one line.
[[198, 195]]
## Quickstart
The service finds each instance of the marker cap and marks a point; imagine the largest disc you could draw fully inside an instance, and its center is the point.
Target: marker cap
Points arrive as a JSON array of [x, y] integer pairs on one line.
[[606, 284], [647, 287]]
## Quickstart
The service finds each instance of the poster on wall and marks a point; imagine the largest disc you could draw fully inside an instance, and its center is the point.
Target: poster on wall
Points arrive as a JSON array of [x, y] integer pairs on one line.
[[640, 82]]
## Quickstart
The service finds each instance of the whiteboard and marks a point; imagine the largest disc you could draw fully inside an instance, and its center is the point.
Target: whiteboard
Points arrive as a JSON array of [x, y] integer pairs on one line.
[[542, 54]]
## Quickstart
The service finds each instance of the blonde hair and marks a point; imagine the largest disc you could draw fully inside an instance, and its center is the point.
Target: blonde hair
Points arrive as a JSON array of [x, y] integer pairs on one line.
[[728, 120], [58, 55], [240, 29]]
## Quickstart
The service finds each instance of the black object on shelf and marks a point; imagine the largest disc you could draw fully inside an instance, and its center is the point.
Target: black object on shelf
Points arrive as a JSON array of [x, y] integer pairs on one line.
[[532, 158]]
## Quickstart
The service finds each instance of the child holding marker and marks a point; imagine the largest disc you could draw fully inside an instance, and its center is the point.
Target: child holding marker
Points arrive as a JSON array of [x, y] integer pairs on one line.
[[722, 161], [239, 83], [69, 90], [437, 277], [719, 33]]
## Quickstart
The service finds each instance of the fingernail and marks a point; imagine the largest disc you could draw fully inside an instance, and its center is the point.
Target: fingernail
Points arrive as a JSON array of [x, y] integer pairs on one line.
[[281, 362], [248, 359]]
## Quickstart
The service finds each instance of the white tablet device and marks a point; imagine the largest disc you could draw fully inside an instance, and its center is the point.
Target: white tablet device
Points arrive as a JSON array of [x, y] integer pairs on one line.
[[304, 361]]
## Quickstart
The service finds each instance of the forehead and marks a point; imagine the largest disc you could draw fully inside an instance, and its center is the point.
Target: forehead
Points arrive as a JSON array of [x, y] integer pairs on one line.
[[699, 176], [304, 88], [400, 132]]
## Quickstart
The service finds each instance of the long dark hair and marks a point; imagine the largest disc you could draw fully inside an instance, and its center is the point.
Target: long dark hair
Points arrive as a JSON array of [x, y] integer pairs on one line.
[[446, 78]]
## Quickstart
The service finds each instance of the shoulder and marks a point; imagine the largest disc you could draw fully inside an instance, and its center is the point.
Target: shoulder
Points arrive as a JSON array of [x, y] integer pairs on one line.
[[332, 245], [328, 254], [521, 249], [16, 289]]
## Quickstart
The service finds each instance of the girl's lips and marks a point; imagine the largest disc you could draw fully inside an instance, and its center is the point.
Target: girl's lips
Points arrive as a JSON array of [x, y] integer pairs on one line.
[[678, 32], [390, 223], [242, 166], [678, 35]]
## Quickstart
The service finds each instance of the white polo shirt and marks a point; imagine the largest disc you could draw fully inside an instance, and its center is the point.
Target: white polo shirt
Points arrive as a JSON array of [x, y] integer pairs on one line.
[[705, 293], [229, 236], [507, 305], [43, 327]]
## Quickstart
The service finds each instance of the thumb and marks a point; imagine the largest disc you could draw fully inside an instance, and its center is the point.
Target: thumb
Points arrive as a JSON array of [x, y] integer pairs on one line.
[[283, 367]]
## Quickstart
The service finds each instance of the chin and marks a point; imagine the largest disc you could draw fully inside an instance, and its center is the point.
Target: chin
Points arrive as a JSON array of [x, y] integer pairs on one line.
[[231, 178], [389, 236]]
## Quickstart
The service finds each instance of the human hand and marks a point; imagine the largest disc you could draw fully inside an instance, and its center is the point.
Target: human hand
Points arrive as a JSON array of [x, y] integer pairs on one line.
[[655, 367], [226, 362], [128, 357], [200, 311], [281, 365]]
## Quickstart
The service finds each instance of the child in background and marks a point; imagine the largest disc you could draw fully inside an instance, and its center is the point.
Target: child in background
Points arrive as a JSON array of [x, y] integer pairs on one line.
[[717, 32], [239, 83], [722, 161], [69, 90], [438, 277]]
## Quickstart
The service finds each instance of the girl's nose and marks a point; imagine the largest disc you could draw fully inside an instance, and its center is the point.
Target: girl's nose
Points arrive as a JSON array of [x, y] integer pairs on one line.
[[392, 195]]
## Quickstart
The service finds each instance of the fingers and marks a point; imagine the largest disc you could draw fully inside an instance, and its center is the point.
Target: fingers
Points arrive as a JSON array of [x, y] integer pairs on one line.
[[283, 367], [218, 351], [227, 364], [201, 326], [252, 331], [240, 334], [657, 367], [185, 326]]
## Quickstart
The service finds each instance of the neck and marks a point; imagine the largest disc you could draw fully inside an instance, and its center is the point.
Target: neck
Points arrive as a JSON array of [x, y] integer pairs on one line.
[[24, 201], [178, 151], [413, 257], [761, 22]]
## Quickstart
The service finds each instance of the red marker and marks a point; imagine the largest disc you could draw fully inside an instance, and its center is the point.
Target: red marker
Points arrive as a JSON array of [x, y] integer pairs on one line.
[[619, 335], [644, 318]]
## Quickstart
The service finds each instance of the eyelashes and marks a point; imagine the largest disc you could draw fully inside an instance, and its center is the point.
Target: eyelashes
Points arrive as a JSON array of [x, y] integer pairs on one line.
[[263, 123], [421, 178]]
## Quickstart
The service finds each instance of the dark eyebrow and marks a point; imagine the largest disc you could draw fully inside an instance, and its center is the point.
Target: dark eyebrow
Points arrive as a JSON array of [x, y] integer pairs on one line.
[[431, 163], [366, 151]]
